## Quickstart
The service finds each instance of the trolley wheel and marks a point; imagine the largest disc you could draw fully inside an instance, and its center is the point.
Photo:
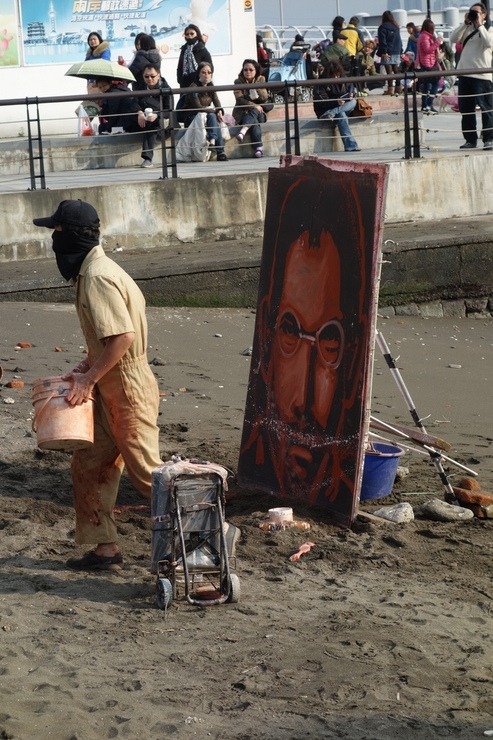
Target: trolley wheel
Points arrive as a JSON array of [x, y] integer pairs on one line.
[[278, 99], [164, 593], [305, 95], [234, 590]]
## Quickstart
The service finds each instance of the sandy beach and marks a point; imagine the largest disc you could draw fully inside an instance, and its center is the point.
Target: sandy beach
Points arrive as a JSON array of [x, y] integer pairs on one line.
[[379, 632]]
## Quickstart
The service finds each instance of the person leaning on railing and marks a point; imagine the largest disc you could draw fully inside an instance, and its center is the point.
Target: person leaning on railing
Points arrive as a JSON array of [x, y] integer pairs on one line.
[[477, 42], [334, 102], [251, 106]]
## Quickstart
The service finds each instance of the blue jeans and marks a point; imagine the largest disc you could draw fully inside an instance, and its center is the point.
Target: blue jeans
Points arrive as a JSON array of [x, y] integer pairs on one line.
[[339, 115], [253, 118], [481, 94], [429, 88]]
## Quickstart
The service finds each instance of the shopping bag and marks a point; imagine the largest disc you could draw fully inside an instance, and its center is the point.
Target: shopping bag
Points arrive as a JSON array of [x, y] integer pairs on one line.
[[84, 124], [192, 147]]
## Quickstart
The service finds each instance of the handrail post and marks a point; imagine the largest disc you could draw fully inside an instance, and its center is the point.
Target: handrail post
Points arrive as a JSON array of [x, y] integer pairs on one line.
[[407, 129], [164, 162], [297, 149], [173, 123], [287, 126], [416, 145], [40, 147], [30, 145]]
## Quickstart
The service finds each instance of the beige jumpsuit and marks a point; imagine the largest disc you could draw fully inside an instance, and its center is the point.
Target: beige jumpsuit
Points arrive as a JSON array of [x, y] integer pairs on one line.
[[109, 303]]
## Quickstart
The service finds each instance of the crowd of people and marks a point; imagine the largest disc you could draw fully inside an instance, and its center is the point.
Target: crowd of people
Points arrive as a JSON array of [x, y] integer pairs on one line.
[[348, 51]]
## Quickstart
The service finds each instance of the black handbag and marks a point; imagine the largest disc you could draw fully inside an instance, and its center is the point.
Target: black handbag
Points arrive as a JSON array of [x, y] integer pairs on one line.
[[267, 106]]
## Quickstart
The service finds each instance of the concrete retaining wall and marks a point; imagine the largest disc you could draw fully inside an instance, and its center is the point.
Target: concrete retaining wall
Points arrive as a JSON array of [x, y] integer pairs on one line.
[[165, 213]]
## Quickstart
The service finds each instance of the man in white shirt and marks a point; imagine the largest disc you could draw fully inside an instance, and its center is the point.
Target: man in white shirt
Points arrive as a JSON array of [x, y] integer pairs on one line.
[[475, 89]]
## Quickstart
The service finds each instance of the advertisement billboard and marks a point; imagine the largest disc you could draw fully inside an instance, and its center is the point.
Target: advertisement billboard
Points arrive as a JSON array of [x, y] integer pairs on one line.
[[9, 41], [57, 30]]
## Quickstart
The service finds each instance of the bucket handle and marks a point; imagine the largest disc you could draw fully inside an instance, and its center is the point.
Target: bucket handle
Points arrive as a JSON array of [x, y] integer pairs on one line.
[[38, 412]]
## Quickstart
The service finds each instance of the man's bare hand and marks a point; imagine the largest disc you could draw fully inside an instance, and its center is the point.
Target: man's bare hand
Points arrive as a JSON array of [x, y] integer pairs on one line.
[[82, 389]]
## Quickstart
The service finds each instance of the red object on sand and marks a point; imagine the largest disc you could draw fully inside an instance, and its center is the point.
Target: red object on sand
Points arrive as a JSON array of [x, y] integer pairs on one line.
[[305, 547]]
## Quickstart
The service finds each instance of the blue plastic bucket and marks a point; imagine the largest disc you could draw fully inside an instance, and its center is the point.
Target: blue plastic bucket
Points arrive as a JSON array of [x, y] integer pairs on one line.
[[379, 470]]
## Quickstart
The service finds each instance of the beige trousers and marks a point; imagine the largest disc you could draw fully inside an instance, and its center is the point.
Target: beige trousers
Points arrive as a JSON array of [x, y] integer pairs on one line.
[[125, 435]]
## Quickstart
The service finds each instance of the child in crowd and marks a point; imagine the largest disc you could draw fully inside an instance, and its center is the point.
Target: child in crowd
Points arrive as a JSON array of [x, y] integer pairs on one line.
[[407, 65], [367, 62]]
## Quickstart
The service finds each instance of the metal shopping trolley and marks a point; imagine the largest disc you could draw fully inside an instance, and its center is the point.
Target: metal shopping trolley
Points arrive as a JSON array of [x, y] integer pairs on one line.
[[192, 545]]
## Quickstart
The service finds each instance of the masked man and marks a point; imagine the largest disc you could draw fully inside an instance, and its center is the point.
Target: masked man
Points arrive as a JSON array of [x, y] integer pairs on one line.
[[111, 311]]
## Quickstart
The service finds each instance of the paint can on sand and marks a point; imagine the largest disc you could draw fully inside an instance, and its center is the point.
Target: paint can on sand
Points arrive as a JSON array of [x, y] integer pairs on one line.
[[281, 514], [58, 424], [379, 470]]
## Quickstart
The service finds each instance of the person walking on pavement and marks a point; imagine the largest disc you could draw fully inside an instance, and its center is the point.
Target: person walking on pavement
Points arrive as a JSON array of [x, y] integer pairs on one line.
[[111, 311], [427, 61], [476, 38]]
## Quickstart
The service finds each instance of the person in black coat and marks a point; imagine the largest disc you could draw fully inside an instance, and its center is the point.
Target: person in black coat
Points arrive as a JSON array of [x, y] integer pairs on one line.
[[390, 49], [146, 54], [192, 53], [116, 112], [150, 124]]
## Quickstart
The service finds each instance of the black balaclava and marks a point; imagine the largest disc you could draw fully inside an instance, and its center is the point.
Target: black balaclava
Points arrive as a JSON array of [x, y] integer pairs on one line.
[[71, 249]]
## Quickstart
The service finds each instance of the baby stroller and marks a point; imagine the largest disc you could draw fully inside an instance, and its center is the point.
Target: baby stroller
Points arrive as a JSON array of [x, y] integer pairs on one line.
[[191, 543], [293, 66]]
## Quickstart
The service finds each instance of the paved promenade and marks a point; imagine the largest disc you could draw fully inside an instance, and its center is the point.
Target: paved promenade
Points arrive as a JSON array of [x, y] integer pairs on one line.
[[442, 134]]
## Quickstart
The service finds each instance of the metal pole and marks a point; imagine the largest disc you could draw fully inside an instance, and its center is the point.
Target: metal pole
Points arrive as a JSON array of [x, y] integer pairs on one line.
[[287, 126], [30, 144], [416, 146], [40, 149], [435, 456], [164, 163], [428, 9], [407, 128], [297, 149], [281, 14]]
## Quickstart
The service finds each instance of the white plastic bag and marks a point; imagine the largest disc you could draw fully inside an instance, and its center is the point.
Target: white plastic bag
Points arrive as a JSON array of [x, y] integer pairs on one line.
[[225, 131], [84, 127], [192, 147]]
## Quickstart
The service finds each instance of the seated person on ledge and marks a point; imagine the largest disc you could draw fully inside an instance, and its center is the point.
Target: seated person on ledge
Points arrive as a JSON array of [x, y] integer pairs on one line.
[[116, 113], [334, 102], [150, 125]]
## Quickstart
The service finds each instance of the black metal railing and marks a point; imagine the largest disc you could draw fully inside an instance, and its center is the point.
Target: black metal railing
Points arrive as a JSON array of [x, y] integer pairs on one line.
[[288, 90]]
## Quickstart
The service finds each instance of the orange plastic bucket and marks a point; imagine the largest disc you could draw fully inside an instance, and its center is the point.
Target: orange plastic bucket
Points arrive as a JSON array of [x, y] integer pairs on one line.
[[58, 424]]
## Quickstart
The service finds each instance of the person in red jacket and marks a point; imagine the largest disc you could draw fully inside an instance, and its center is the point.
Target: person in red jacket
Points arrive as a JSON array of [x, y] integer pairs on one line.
[[427, 49]]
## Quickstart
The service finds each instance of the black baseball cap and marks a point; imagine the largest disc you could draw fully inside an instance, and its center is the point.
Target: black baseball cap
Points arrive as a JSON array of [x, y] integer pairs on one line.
[[71, 213], [340, 36]]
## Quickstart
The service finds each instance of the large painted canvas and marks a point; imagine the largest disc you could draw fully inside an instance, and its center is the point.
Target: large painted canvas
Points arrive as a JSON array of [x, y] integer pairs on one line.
[[308, 394], [57, 30]]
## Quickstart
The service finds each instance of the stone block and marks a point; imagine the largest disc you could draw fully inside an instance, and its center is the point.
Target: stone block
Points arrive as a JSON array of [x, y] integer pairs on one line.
[[476, 305], [454, 309], [387, 312], [410, 310], [432, 310]]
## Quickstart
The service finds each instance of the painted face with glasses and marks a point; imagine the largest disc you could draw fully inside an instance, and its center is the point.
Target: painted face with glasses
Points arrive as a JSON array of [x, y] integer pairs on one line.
[[309, 340]]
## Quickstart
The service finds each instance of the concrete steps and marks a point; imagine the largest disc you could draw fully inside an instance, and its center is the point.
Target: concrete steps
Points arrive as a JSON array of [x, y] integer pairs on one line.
[[385, 129]]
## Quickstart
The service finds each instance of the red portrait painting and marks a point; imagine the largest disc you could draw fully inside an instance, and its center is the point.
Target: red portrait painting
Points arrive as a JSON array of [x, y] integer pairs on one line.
[[309, 382]]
